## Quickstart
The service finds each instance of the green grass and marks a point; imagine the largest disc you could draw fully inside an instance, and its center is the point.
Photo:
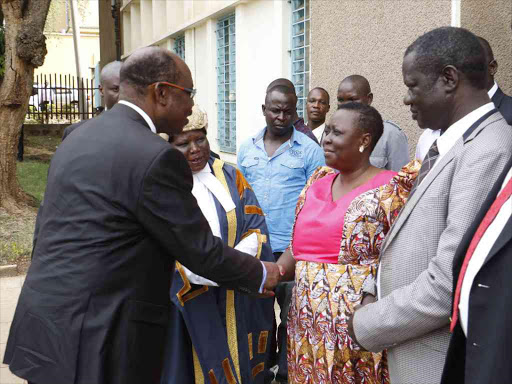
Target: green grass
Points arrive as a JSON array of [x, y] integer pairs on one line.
[[48, 143], [32, 177]]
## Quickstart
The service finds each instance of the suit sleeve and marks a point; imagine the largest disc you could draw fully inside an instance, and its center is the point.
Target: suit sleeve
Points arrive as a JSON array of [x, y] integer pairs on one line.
[[425, 305], [169, 212]]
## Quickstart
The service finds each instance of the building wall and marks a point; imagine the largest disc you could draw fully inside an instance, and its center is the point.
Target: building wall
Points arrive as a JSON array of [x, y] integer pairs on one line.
[[369, 38], [262, 45], [491, 20], [60, 58]]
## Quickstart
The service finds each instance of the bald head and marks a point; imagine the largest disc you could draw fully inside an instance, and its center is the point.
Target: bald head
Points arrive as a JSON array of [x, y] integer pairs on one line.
[[149, 65], [160, 83], [492, 64], [111, 70], [109, 83], [354, 88]]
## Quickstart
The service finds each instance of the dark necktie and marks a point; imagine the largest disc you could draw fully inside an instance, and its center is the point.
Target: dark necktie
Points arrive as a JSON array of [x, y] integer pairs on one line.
[[428, 163]]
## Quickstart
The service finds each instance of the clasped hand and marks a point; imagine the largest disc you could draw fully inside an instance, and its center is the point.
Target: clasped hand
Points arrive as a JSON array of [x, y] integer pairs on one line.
[[274, 276]]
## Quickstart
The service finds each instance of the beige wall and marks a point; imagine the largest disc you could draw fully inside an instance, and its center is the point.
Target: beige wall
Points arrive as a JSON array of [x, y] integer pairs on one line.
[[369, 38], [491, 20], [60, 58]]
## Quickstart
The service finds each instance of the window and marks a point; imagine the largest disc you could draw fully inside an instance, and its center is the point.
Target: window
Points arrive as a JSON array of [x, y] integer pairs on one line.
[[226, 83], [179, 46], [300, 51]]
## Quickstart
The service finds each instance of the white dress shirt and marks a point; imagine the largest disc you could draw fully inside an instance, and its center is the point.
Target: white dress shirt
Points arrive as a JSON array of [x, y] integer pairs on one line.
[[480, 254], [429, 136], [493, 90], [144, 115], [319, 132], [447, 140]]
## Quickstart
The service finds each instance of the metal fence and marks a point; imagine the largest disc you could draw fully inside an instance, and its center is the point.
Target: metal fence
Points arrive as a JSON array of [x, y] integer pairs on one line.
[[61, 98]]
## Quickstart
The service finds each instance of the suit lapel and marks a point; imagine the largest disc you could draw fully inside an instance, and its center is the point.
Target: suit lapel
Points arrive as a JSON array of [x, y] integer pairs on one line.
[[504, 237], [498, 97], [422, 188], [469, 135]]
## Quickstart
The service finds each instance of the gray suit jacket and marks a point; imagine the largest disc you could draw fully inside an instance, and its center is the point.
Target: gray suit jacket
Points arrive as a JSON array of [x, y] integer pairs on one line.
[[412, 316], [392, 150]]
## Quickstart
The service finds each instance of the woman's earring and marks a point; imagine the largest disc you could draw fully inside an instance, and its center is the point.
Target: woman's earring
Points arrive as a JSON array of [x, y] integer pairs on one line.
[[361, 148]]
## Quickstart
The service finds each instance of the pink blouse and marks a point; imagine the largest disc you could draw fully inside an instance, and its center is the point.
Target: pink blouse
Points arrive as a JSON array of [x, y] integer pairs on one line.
[[318, 230]]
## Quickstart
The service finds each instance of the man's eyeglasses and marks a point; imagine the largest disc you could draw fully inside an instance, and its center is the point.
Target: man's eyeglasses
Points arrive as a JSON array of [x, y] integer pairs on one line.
[[190, 91]]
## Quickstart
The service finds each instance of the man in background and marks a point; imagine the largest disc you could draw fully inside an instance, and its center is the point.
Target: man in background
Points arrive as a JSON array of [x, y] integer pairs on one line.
[[298, 123], [317, 107], [109, 90], [277, 162], [391, 151]]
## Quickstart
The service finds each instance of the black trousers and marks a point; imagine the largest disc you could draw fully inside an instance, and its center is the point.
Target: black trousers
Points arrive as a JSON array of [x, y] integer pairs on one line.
[[278, 339]]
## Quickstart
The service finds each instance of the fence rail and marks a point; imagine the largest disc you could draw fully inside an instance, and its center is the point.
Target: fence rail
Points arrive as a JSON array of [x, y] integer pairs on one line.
[[61, 98]]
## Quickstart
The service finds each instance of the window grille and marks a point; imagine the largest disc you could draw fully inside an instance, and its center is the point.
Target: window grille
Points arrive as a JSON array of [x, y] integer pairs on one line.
[[226, 83], [179, 46], [300, 51]]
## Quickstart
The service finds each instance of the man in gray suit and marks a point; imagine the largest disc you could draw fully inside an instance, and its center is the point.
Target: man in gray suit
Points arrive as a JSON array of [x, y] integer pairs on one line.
[[445, 73]]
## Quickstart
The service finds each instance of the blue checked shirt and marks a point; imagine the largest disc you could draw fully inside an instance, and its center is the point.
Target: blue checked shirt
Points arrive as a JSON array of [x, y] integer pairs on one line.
[[278, 180]]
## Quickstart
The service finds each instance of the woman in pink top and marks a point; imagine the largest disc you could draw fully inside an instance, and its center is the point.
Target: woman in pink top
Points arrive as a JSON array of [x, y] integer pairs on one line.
[[341, 221]]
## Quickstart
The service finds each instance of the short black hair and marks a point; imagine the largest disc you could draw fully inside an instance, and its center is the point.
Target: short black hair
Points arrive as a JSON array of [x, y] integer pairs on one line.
[[487, 48], [283, 89], [281, 81], [156, 65], [450, 46], [322, 90], [370, 120]]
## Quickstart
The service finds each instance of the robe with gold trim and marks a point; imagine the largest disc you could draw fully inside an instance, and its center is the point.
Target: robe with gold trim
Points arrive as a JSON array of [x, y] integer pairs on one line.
[[218, 335]]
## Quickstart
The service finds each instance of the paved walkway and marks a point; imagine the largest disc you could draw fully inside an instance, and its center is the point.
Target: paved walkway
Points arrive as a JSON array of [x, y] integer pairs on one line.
[[10, 288]]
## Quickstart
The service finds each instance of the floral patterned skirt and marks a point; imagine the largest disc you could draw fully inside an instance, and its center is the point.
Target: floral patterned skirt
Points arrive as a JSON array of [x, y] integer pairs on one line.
[[319, 347]]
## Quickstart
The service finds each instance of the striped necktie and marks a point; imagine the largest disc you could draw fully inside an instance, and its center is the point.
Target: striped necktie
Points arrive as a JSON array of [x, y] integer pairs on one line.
[[428, 164]]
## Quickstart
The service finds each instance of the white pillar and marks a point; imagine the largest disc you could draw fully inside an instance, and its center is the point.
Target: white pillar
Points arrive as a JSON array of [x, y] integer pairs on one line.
[[455, 13]]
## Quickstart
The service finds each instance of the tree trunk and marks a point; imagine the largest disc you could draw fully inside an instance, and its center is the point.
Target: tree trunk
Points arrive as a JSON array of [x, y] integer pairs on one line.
[[25, 49]]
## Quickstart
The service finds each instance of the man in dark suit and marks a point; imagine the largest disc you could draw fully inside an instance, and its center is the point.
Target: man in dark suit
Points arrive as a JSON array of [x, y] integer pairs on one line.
[[118, 211], [502, 101], [481, 343], [109, 90]]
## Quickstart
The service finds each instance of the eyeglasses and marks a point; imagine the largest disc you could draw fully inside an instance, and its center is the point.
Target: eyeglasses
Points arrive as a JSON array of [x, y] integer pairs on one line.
[[190, 91]]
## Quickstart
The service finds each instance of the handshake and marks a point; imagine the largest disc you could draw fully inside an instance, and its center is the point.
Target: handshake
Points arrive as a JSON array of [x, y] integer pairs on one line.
[[275, 274]]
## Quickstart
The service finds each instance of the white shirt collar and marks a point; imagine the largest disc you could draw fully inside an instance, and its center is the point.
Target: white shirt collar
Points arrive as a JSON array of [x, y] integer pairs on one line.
[[142, 113], [206, 169], [448, 139], [493, 90], [319, 131], [206, 178]]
